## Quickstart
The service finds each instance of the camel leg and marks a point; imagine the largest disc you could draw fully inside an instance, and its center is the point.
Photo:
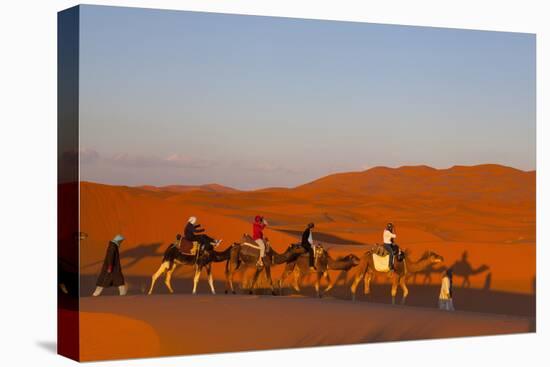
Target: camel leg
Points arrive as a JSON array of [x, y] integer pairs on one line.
[[393, 290], [155, 276], [210, 278], [228, 284], [196, 278], [368, 277], [330, 281], [244, 282], [296, 284], [168, 279], [285, 274], [229, 273], [256, 275], [355, 284], [270, 281], [403, 285], [317, 283]]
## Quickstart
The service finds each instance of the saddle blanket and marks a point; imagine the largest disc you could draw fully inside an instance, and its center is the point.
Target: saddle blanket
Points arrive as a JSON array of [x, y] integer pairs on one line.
[[188, 247], [381, 263]]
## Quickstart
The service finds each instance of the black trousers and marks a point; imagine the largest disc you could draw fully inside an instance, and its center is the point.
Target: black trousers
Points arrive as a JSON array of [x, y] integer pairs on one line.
[[309, 249], [389, 248]]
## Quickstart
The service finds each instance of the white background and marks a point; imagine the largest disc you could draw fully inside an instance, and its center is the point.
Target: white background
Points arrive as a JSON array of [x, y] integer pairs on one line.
[[28, 182]]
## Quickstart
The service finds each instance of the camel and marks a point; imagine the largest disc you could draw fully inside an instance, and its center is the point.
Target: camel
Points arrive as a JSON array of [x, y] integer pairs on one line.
[[462, 268], [427, 273], [246, 253], [174, 257], [323, 263], [366, 270]]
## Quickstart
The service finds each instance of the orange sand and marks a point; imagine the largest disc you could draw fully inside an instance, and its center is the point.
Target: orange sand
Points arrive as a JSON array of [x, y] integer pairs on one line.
[[110, 336], [209, 324]]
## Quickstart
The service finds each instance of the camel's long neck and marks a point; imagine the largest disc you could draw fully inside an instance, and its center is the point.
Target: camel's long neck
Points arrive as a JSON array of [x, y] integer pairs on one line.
[[419, 265], [222, 255], [481, 269], [282, 258], [340, 264], [277, 257]]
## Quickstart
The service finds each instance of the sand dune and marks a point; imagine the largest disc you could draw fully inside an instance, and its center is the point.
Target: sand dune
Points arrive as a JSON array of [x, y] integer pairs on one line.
[[184, 188], [487, 212], [481, 219], [209, 324]]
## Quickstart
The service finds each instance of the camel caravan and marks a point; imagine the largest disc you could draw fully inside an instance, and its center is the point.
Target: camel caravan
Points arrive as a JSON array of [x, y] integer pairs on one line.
[[196, 249]]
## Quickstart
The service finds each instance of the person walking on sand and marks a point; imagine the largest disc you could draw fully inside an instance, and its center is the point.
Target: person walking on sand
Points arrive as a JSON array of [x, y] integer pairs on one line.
[[194, 232], [307, 244], [388, 237], [258, 235], [111, 271], [446, 293]]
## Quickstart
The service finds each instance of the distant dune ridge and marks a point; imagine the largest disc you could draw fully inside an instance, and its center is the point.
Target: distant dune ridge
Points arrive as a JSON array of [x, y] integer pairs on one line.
[[485, 211], [184, 188]]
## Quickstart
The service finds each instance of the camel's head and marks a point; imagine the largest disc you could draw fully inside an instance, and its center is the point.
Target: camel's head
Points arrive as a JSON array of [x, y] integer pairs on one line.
[[483, 268], [320, 250], [434, 258], [354, 259]]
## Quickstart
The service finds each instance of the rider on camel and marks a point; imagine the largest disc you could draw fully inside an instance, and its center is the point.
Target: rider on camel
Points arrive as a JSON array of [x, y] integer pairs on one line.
[[392, 248], [193, 232], [307, 244], [258, 235]]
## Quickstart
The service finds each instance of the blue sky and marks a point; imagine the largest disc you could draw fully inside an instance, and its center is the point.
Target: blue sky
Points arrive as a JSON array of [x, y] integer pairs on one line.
[[172, 97]]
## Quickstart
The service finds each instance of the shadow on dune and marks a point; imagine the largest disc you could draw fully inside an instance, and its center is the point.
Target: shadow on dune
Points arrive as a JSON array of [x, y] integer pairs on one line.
[[140, 252], [321, 237], [134, 254], [466, 299], [463, 270]]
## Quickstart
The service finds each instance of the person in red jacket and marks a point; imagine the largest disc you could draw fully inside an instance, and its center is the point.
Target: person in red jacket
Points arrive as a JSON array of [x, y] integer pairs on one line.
[[258, 235]]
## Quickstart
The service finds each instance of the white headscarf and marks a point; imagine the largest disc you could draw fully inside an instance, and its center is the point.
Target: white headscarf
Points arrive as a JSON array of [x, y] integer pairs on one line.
[[118, 239], [192, 220]]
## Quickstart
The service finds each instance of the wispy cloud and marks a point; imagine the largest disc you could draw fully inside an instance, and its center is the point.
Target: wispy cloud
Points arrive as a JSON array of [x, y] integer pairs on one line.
[[267, 167], [90, 156]]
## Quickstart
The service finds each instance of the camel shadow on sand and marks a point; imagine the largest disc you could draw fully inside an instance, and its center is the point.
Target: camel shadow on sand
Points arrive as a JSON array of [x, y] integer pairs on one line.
[[132, 256], [463, 270]]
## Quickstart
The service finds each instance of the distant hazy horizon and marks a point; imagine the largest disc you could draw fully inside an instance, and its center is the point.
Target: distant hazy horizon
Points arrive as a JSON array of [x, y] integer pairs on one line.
[[303, 183], [187, 98]]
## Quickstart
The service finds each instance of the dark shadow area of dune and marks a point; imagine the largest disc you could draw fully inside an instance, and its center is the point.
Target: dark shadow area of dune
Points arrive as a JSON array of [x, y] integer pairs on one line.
[[465, 299], [321, 237]]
